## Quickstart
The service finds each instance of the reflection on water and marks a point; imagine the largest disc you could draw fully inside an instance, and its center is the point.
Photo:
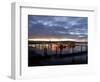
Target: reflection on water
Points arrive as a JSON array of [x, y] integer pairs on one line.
[[57, 48], [41, 53]]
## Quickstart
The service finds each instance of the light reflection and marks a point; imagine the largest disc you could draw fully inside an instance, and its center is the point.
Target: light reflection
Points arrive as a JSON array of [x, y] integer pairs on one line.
[[53, 47]]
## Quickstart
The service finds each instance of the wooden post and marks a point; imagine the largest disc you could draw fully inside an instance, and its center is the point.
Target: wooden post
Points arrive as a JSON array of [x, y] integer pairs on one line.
[[39, 45], [86, 48], [45, 51], [68, 49], [61, 49], [81, 48], [35, 45], [56, 50], [50, 46], [72, 49]]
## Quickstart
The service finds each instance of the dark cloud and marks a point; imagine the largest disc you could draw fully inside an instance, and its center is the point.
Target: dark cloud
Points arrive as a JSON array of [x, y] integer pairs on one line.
[[57, 27]]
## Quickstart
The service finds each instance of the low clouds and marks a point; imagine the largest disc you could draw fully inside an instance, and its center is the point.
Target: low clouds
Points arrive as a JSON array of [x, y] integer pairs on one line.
[[57, 27]]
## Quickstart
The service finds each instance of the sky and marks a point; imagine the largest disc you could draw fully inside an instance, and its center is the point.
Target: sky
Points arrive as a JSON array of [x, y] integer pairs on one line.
[[60, 27]]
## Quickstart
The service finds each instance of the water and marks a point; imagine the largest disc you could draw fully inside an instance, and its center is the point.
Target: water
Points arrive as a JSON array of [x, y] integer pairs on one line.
[[53, 48], [52, 54]]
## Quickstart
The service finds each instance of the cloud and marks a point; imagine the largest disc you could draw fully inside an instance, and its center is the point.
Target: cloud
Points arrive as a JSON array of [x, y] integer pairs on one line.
[[57, 26]]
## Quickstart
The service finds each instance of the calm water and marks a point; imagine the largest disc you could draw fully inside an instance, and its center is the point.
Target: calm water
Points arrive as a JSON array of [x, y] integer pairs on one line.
[[53, 48], [53, 55]]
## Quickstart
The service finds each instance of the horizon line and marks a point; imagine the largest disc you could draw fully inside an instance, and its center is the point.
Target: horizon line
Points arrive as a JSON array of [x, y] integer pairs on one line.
[[82, 40]]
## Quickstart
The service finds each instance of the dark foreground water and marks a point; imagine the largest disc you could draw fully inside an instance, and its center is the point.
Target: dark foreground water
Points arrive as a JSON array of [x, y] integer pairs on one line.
[[35, 59]]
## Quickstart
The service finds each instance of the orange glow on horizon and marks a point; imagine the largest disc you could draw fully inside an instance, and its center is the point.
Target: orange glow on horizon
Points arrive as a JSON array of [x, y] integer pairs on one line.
[[54, 39]]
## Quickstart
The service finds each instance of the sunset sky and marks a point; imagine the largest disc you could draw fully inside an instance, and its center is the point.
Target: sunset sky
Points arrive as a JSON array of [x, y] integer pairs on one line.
[[57, 27]]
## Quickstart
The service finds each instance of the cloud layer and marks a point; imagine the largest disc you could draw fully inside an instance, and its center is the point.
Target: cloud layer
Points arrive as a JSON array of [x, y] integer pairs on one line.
[[57, 27]]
